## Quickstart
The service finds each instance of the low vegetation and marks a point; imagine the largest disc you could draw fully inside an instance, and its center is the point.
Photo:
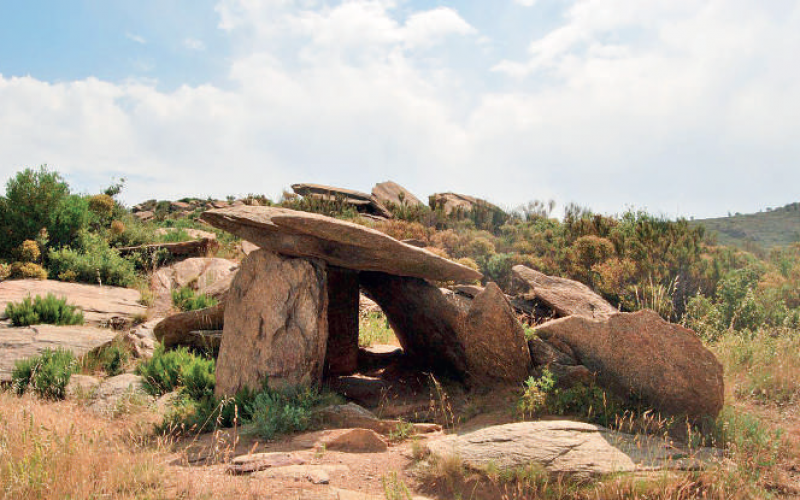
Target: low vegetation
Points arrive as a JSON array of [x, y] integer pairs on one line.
[[186, 299], [48, 310], [46, 375]]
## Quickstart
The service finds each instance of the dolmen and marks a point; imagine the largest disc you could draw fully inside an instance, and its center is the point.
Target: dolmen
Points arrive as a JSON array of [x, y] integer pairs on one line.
[[291, 316]]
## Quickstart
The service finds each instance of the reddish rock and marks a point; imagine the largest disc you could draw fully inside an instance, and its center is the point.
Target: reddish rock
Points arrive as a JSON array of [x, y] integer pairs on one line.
[[276, 325], [567, 297], [642, 358]]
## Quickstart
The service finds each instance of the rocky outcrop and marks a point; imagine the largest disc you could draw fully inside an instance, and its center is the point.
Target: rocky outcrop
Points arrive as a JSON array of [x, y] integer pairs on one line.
[[391, 193], [211, 276], [25, 342], [177, 329], [362, 201], [340, 243], [276, 326], [494, 341], [451, 202], [574, 449], [644, 359], [565, 296], [101, 305], [141, 339]]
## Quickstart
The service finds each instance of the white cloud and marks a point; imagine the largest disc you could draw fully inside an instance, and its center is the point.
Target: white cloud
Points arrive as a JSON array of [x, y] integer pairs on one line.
[[526, 3], [661, 104], [194, 44], [136, 38]]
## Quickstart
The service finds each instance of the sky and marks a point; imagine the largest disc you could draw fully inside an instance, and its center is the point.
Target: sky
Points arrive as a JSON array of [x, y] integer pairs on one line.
[[681, 107]]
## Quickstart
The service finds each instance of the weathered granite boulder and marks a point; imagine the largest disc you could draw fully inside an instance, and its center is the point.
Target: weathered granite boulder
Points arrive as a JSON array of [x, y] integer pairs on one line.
[[101, 305], [390, 192], [276, 324], [574, 449], [141, 339], [358, 199], [211, 276], [339, 243], [642, 358], [450, 202], [25, 342], [479, 340], [494, 341], [176, 330], [565, 296]]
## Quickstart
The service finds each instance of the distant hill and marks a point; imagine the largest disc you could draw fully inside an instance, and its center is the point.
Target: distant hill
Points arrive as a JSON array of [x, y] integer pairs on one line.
[[771, 228]]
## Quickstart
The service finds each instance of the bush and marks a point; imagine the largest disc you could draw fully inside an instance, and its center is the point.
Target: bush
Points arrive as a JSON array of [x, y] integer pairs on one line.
[[29, 251], [49, 310], [275, 412], [186, 300], [168, 370], [93, 261], [111, 360], [47, 374], [31, 199], [27, 270], [102, 205]]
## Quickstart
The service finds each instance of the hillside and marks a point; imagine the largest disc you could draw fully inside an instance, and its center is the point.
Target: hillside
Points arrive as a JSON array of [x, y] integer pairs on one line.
[[772, 228]]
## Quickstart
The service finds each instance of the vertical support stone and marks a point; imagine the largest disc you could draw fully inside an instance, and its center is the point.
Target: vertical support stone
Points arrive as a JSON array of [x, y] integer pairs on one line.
[[341, 357], [276, 325], [426, 323]]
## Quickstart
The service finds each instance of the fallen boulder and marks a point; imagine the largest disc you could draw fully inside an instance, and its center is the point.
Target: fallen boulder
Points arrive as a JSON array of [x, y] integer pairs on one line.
[[177, 330], [452, 202], [567, 297], [210, 276], [643, 359]]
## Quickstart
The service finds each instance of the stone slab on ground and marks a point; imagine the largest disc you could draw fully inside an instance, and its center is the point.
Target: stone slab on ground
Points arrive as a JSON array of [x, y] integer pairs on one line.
[[99, 303], [254, 462], [340, 243], [115, 393], [568, 448], [25, 342]]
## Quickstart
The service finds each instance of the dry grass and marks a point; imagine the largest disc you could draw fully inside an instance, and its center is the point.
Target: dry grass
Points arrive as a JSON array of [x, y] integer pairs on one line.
[[763, 367], [59, 450]]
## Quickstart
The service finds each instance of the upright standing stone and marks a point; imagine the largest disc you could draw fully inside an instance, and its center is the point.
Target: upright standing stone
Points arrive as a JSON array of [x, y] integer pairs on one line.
[[343, 298], [494, 340], [276, 324]]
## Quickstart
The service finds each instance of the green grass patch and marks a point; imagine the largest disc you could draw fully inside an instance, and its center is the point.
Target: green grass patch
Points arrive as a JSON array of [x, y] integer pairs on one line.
[[187, 299], [47, 375]]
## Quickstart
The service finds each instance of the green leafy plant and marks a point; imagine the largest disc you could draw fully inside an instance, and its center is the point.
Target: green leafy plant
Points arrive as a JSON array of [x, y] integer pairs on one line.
[[170, 370], [187, 299], [91, 261], [47, 375], [48, 310], [284, 411]]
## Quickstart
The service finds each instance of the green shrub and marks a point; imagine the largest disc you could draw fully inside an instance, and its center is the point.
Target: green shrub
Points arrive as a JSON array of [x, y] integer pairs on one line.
[[275, 412], [49, 310], [47, 374], [32, 198], [164, 372], [111, 360], [187, 299], [92, 261]]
